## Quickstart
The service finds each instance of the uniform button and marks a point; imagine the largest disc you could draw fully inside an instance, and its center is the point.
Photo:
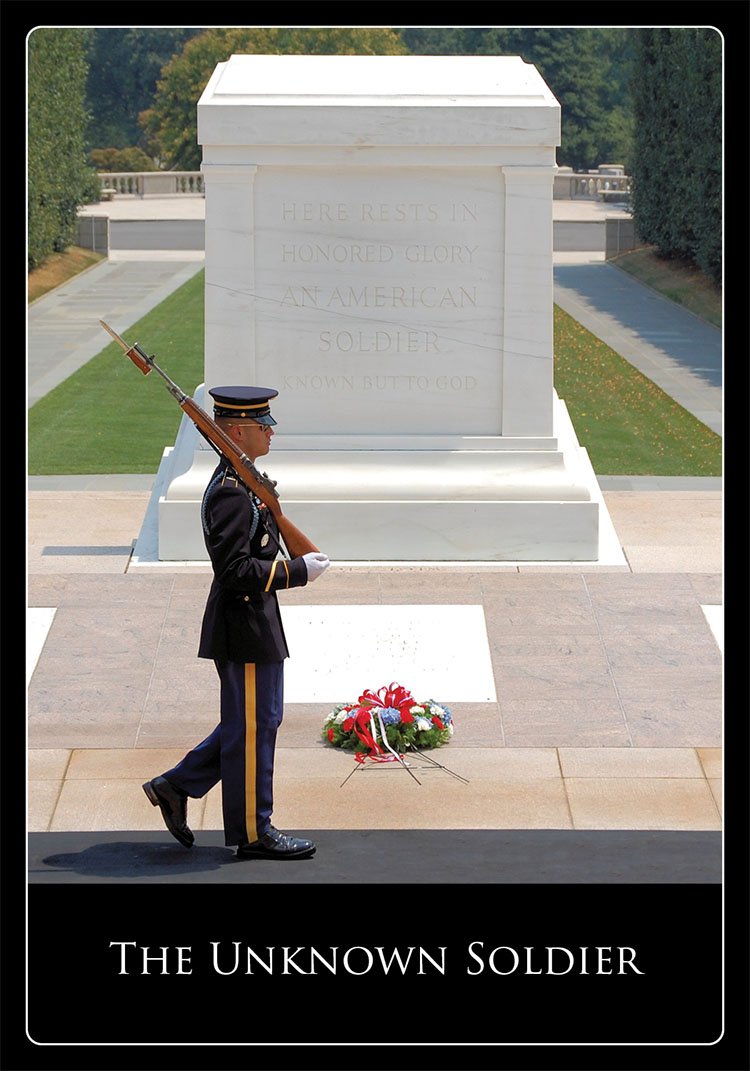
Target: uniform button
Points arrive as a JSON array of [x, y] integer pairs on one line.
[[247, 598]]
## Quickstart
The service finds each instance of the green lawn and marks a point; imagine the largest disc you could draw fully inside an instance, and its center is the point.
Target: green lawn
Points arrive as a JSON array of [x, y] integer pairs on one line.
[[107, 417], [628, 425]]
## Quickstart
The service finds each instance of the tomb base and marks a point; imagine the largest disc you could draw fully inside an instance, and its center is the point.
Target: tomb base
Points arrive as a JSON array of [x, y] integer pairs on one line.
[[420, 498]]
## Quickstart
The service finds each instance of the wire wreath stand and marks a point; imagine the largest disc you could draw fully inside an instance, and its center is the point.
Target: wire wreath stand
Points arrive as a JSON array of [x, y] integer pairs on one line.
[[381, 758], [368, 725]]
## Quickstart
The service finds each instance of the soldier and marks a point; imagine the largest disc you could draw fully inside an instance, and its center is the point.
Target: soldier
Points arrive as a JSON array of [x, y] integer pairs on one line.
[[242, 632]]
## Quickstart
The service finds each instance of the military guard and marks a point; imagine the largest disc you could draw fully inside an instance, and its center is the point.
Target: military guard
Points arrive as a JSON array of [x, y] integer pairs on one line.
[[242, 632]]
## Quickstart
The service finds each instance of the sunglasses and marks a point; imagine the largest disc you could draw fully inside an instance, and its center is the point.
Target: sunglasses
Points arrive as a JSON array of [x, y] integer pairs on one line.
[[249, 424]]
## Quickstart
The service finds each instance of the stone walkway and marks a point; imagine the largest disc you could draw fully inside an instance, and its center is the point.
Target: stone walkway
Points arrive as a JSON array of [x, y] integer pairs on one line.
[[63, 326], [681, 353], [608, 712]]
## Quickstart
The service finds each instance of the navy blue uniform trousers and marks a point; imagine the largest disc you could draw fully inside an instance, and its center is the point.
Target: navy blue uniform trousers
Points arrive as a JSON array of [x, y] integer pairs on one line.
[[240, 750]]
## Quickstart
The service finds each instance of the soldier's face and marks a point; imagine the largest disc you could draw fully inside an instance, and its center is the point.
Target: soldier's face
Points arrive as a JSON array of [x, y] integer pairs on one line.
[[253, 438]]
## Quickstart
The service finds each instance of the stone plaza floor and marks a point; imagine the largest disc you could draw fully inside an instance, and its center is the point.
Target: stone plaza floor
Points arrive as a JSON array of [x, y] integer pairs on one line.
[[608, 683]]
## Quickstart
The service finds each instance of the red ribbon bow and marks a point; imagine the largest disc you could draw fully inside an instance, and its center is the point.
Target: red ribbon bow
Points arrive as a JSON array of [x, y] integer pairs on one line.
[[394, 696], [361, 726]]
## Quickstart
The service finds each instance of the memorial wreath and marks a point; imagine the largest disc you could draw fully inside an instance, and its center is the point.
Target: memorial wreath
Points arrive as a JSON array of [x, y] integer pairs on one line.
[[383, 725]]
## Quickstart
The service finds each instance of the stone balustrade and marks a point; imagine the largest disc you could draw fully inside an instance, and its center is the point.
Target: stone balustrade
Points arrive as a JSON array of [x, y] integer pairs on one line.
[[604, 184], [594, 185], [152, 183]]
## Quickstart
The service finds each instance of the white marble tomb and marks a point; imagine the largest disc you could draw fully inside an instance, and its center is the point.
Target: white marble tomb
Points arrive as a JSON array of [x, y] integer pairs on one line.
[[379, 249]]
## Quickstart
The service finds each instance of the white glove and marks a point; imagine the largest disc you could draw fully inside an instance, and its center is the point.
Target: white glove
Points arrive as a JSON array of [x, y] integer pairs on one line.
[[316, 563]]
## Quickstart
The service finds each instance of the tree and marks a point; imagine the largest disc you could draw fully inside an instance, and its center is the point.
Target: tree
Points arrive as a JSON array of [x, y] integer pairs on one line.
[[124, 66], [453, 40], [677, 155], [587, 70], [132, 159], [171, 123], [59, 179]]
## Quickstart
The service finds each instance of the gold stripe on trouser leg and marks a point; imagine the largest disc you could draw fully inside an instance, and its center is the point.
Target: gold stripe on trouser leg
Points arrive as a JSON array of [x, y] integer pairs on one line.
[[250, 741]]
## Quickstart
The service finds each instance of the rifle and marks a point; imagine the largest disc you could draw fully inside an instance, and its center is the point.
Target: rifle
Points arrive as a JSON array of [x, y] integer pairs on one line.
[[258, 483]]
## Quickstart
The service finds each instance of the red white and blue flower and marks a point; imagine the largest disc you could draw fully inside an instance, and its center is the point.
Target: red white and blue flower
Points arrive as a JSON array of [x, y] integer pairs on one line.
[[386, 724]]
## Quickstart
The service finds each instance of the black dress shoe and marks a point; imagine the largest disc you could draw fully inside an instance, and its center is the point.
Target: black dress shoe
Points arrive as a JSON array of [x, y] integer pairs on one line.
[[276, 845], [173, 806]]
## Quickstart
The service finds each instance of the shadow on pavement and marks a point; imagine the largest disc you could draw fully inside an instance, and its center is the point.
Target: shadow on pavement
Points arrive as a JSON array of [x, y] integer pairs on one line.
[[134, 859], [690, 341]]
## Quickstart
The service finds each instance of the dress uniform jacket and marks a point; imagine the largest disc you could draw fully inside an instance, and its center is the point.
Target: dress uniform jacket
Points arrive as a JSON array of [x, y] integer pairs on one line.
[[242, 622]]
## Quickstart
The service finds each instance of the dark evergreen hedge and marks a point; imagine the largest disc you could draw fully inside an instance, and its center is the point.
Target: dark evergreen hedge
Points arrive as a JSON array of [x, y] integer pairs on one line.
[[58, 178], [677, 180]]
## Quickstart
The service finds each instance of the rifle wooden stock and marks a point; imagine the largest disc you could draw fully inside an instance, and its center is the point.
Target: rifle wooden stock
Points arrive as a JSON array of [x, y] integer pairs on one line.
[[296, 541]]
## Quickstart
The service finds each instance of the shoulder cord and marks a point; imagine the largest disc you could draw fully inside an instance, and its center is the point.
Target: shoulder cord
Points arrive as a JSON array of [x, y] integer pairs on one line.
[[204, 503], [219, 478], [256, 512]]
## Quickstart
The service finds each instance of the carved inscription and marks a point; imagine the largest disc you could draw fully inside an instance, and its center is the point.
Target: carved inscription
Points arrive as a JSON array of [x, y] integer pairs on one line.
[[376, 291], [355, 253], [382, 296], [367, 212], [379, 383], [379, 341]]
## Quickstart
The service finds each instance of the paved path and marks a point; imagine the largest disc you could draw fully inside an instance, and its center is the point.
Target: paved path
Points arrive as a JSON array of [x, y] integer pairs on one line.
[[677, 350], [63, 326]]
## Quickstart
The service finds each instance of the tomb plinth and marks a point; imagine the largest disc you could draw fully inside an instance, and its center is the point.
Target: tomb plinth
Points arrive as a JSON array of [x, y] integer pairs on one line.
[[379, 249]]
